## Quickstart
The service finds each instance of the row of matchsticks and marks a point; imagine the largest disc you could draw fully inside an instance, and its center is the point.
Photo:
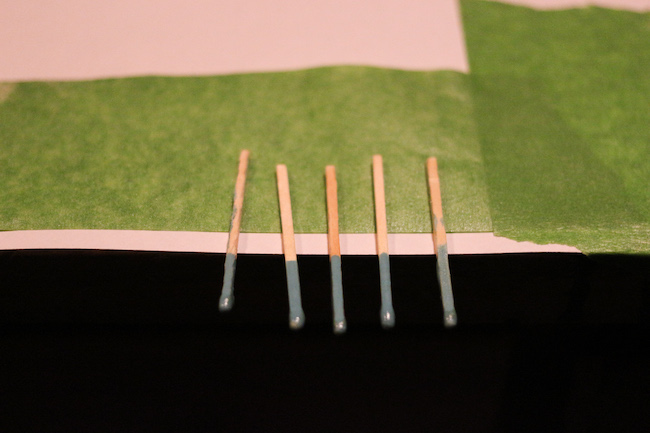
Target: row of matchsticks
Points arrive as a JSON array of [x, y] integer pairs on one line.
[[296, 314]]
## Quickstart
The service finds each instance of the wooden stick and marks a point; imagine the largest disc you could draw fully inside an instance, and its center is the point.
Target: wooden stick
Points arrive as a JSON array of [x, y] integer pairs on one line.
[[387, 314], [296, 314], [334, 249], [440, 244], [227, 298]]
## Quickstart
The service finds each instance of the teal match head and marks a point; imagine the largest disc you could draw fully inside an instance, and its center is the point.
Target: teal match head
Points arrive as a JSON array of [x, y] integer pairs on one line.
[[226, 303], [296, 322], [387, 318], [340, 326], [450, 319]]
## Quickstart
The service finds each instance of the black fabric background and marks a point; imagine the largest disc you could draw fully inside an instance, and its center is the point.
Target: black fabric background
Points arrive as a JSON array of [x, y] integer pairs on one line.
[[95, 341]]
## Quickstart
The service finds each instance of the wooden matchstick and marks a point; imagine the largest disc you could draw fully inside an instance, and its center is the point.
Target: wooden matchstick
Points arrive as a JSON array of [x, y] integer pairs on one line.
[[227, 298], [440, 244], [296, 314], [387, 314], [334, 249]]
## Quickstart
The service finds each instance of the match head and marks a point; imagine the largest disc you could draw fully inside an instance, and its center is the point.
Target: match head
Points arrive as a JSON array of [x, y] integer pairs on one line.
[[226, 303], [296, 322], [340, 327], [450, 319], [387, 318]]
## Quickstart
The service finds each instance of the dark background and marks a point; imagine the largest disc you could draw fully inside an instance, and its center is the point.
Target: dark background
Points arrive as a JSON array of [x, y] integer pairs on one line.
[[132, 341]]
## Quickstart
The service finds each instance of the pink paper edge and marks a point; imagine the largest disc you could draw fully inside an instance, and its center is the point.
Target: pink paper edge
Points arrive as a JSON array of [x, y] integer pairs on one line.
[[263, 243], [75, 40]]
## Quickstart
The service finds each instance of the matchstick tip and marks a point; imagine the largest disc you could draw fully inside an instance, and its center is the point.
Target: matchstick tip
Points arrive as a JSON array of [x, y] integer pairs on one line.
[[340, 326], [226, 303], [387, 318], [450, 319], [432, 166], [297, 322]]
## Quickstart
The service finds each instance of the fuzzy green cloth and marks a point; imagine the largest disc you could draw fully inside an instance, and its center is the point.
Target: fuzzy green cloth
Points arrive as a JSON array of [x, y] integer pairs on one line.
[[562, 104], [161, 153]]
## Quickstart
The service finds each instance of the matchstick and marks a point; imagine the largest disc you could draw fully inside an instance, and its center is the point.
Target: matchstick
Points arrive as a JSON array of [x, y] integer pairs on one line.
[[296, 314], [440, 244], [334, 249], [387, 314], [227, 298]]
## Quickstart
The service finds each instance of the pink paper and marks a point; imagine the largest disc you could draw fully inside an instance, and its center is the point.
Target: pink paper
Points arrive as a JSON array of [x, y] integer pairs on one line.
[[77, 39], [262, 243]]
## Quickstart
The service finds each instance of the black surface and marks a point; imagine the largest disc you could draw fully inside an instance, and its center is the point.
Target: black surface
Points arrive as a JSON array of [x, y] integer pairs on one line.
[[122, 341]]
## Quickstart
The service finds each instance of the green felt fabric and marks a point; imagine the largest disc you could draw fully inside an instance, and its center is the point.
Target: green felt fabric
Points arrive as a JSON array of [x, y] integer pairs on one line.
[[161, 153], [562, 105]]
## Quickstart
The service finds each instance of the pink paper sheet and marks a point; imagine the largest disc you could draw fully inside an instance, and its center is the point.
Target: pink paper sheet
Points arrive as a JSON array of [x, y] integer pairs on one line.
[[80, 39], [262, 243]]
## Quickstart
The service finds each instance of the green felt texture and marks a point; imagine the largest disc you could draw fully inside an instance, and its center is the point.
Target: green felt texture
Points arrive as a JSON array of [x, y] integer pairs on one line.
[[562, 105], [158, 153]]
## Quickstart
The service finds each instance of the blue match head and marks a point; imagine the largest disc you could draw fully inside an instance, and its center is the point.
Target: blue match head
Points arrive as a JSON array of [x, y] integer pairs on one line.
[[450, 319], [387, 318], [297, 322], [226, 303], [340, 326]]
